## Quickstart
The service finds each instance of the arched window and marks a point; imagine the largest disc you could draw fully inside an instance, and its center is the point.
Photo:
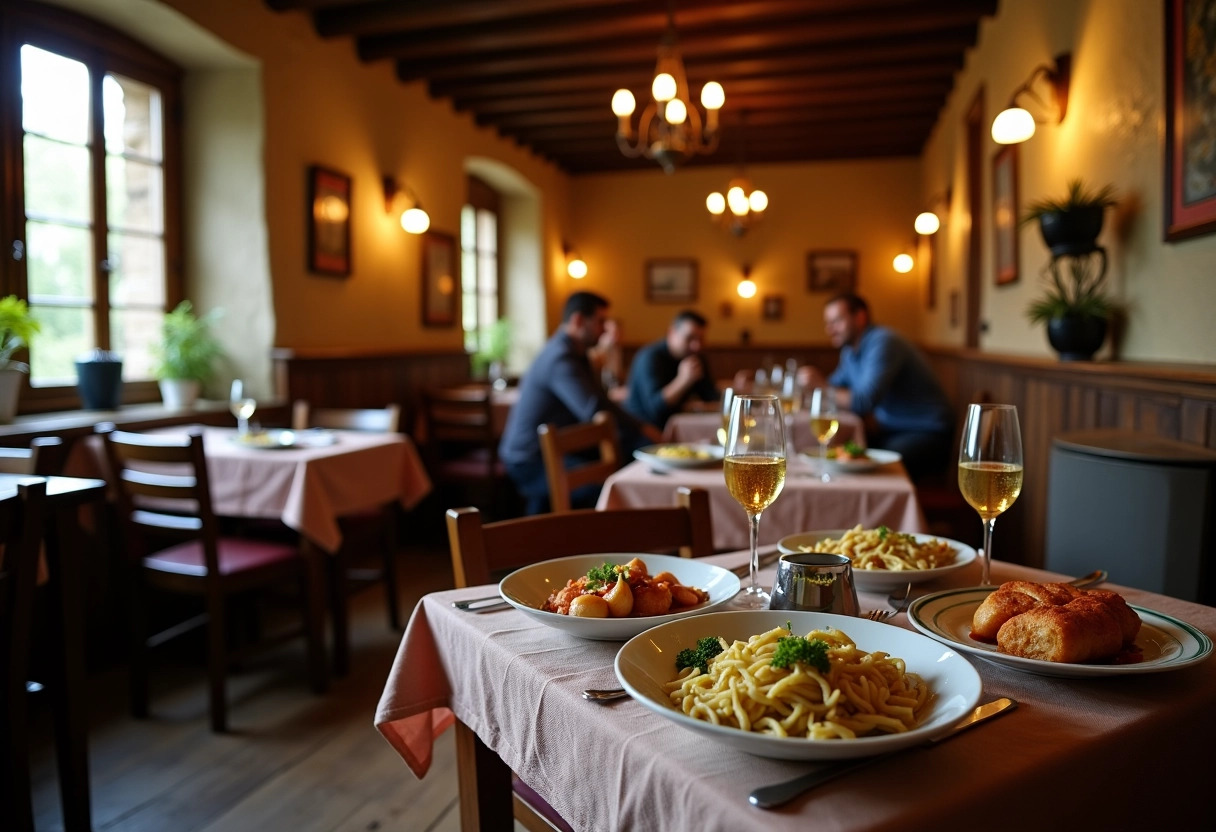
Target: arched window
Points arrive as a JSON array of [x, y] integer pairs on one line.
[[481, 289]]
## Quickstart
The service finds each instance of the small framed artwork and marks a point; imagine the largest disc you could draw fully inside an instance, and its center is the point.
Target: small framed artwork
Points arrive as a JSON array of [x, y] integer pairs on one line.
[[328, 222], [440, 279], [1005, 213], [726, 309], [671, 281], [831, 271], [1190, 99], [772, 308]]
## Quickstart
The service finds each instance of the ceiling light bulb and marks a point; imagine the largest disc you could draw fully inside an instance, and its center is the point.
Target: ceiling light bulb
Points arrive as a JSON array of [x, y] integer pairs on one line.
[[577, 268], [712, 96], [664, 87], [758, 200], [716, 203], [746, 288], [927, 223], [675, 112], [415, 220], [623, 104], [736, 200], [903, 263], [1012, 126]]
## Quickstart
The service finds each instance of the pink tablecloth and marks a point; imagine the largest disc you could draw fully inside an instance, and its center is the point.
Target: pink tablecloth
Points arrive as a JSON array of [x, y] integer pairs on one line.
[[703, 427], [1104, 753], [884, 497], [308, 487]]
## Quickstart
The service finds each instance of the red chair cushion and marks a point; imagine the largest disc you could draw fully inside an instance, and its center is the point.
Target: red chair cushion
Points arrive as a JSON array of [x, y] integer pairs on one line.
[[235, 554], [538, 803]]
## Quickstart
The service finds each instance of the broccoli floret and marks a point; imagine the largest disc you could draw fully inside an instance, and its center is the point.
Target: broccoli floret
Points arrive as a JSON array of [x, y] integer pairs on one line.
[[853, 449], [813, 653], [706, 649]]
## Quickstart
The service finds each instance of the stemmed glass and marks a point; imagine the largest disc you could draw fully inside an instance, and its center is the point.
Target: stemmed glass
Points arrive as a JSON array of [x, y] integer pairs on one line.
[[825, 421], [242, 406], [728, 398], [754, 467], [990, 467]]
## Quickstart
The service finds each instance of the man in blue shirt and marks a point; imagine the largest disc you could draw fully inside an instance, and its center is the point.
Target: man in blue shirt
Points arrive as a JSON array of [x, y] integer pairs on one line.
[[667, 373], [561, 388], [882, 376]]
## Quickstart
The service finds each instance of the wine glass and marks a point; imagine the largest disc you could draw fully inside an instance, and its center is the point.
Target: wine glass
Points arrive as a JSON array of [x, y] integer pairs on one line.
[[728, 398], [754, 467], [825, 421], [990, 467], [242, 406]]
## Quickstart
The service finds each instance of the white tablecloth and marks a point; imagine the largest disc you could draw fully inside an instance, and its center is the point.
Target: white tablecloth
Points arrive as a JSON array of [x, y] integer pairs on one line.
[[703, 427]]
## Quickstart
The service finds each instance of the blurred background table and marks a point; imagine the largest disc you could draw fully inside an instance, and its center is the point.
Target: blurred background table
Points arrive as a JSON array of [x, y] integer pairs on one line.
[[703, 427]]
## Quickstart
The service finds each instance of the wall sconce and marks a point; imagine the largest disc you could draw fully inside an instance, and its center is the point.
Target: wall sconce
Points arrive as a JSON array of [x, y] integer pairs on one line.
[[903, 261], [414, 219], [1015, 124], [576, 266], [927, 223], [747, 286]]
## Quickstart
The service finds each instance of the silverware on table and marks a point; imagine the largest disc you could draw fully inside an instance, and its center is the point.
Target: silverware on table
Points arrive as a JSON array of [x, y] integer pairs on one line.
[[778, 794], [1098, 576], [765, 560], [606, 695], [492, 603], [878, 615]]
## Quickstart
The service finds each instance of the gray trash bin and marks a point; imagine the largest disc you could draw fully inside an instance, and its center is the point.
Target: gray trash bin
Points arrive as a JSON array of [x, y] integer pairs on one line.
[[1141, 507]]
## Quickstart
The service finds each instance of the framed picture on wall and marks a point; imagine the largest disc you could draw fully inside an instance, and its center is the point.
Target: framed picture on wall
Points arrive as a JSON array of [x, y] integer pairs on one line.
[[772, 308], [1005, 213], [1190, 99], [328, 222], [440, 279], [831, 271], [671, 281]]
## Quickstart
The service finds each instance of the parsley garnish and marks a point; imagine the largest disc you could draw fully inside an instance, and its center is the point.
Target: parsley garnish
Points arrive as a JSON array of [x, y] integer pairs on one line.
[[883, 531], [604, 574], [706, 649], [853, 449]]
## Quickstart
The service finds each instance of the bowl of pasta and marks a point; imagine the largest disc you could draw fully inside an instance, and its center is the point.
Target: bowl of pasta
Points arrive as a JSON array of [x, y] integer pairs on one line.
[[884, 559], [767, 661], [660, 589], [868, 459], [679, 455]]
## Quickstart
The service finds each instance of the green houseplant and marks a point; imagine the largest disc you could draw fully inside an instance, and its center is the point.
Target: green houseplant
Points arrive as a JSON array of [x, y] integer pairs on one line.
[[18, 326], [186, 354], [494, 345], [1070, 226]]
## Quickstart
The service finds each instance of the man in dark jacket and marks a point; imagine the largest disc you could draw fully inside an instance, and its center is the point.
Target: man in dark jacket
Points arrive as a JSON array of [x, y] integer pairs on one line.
[[667, 373]]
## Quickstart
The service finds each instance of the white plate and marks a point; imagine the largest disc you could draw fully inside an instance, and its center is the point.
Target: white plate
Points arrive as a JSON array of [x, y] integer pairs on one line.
[[647, 662], [528, 587], [885, 580], [1166, 643], [268, 440], [650, 455], [875, 458]]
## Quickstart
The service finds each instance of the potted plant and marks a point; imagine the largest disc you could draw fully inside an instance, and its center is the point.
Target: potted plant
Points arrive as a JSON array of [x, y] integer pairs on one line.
[[1075, 307], [17, 327], [494, 346], [185, 355], [1070, 226]]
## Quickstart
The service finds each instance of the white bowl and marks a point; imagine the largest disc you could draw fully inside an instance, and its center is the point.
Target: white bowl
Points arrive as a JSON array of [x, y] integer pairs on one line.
[[528, 587], [884, 580], [712, 455], [874, 458], [647, 662]]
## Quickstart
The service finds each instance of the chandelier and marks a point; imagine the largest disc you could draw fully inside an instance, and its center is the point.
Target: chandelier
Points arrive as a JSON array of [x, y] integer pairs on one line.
[[742, 205], [670, 128]]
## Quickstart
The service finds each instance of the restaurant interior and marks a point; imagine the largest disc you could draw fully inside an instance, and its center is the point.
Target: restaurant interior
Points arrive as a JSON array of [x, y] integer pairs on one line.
[[381, 208]]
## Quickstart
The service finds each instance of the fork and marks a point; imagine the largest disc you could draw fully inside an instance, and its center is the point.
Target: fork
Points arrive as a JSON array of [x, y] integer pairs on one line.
[[900, 599], [878, 615]]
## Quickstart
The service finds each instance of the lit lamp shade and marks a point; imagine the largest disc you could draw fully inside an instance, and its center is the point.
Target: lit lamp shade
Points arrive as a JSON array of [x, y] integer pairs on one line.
[[927, 223], [902, 263], [712, 96], [1012, 126], [757, 201], [577, 268], [746, 288], [623, 103], [415, 221], [716, 203], [736, 200]]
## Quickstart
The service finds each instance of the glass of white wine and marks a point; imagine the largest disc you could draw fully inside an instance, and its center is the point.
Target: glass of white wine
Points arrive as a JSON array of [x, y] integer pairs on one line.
[[825, 422], [754, 467], [990, 467], [242, 406], [728, 399]]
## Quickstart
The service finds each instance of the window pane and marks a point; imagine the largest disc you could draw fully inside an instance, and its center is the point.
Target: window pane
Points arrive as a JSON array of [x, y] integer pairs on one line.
[[487, 231], [468, 228], [135, 195], [137, 275], [132, 118], [487, 310], [60, 262], [132, 333], [487, 276], [54, 95], [468, 312], [57, 180], [66, 333], [468, 271]]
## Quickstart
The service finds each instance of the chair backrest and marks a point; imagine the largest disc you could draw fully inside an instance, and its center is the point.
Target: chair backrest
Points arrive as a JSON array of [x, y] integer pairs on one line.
[[459, 414], [556, 443], [163, 490], [44, 457], [372, 420], [21, 523], [478, 550]]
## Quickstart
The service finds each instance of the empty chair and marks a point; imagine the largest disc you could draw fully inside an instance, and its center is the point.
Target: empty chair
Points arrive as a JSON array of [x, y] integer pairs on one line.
[[460, 445], [44, 457], [375, 528], [578, 458], [164, 494]]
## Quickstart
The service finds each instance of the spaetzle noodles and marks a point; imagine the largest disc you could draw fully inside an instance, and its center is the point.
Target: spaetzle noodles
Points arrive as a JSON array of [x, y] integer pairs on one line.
[[884, 549], [862, 693]]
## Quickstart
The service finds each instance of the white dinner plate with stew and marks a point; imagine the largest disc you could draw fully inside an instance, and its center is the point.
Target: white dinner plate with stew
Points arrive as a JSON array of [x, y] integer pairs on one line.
[[1165, 642], [874, 459], [680, 455], [269, 440], [885, 580], [528, 587], [646, 663]]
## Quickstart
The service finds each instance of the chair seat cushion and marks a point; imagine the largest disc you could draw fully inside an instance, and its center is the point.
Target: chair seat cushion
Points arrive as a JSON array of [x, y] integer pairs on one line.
[[475, 465], [235, 555], [538, 804]]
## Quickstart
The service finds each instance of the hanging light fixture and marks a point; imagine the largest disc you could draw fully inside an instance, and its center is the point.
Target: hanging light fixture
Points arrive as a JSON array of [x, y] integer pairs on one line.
[[670, 128], [743, 204]]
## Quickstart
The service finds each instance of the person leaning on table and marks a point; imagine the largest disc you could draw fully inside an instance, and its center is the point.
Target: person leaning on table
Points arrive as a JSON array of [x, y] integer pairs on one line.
[[667, 373], [883, 377], [561, 388]]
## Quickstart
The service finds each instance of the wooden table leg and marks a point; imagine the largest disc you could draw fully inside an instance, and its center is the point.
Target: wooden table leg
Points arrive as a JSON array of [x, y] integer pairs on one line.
[[485, 785], [315, 560]]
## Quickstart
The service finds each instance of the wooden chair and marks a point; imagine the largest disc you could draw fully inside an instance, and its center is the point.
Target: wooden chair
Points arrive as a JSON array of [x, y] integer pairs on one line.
[[375, 528], [460, 445], [946, 512], [556, 443], [164, 493], [43, 458], [21, 519], [480, 550]]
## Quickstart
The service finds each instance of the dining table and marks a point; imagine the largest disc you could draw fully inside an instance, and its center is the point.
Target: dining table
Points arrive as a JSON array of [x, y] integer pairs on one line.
[[1101, 752], [881, 497], [702, 427]]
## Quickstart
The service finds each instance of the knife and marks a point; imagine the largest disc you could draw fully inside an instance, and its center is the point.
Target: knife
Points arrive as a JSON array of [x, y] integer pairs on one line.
[[778, 794], [765, 560]]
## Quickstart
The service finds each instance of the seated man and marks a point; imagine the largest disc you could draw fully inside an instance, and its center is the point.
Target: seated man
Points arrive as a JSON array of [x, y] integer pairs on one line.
[[883, 376], [667, 373], [561, 388]]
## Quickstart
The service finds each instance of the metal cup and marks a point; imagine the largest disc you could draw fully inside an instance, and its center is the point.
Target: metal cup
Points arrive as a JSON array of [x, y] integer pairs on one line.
[[815, 581]]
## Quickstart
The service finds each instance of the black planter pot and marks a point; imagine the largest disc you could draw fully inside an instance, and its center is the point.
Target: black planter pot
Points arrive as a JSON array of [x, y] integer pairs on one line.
[[1076, 337], [1072, 232], [99, 380]]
